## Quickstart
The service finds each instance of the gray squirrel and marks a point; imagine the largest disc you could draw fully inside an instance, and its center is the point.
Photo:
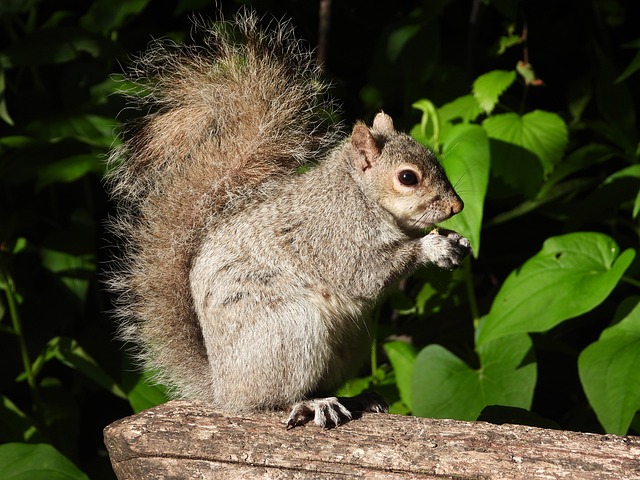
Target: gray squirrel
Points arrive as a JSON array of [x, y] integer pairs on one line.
[[243, 281]]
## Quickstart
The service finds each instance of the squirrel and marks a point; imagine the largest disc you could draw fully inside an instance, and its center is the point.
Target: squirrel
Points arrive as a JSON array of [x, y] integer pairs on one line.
[[242, 280]]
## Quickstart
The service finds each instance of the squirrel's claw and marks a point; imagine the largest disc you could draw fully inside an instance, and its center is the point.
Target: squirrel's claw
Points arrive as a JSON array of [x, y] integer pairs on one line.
[[325, 412], [333, 411]]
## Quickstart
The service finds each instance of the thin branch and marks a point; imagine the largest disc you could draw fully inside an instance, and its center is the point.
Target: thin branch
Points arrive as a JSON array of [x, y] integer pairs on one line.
[[323, 31]]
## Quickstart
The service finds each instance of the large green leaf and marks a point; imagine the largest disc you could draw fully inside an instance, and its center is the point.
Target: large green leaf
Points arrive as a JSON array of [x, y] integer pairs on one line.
[[402, 357], [444, 386], [466, 160], [543, 133], [571, 275], [487, 88], [515, 171], [610, 373], [21, 461]]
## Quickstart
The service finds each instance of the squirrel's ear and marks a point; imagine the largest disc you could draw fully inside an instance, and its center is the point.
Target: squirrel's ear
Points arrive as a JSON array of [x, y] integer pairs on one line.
[[365, 149], [383, 123]]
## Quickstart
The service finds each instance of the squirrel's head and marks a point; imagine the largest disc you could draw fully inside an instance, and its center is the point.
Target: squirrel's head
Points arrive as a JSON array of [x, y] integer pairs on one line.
[[401, 175]]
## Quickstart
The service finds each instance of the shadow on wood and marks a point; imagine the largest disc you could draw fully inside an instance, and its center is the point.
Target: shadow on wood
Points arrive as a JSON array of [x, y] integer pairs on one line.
[[184, 439]]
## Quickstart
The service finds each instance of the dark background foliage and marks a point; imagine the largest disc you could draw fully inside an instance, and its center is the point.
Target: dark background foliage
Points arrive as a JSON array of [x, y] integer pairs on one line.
[[64, 377]]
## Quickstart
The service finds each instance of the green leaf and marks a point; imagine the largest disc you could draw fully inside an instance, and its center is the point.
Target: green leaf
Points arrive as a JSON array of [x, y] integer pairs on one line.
[[487, 88], [114, 84], [59, 411], [15, 425], [402, 357], [542, 133], [17, 6], [630, 172], [93, 130], [545, 196], [515, 171], [20, 461], [71, 268], [579, 95], [610, 373], [105, 16], [465, 108], [632, 68], [4, 112], [554, 187], [444, 386], [15, 142], [52, 45], [70, 353], [580, 159], [528, 74], [69, 169], [142, 392], [466, 160], [616, 104], [399, 38], [509, 40], [571, 275]]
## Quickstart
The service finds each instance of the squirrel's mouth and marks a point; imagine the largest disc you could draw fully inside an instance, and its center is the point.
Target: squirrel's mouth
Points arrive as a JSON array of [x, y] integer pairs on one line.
[[417, 227], [427, 219]]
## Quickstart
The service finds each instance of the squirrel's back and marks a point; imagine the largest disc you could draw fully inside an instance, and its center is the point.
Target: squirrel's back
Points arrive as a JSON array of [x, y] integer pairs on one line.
[[221, 118]]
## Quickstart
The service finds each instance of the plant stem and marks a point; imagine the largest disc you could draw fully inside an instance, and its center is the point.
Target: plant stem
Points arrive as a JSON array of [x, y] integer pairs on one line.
[[323, 31], [429, 113], [432, 113], [17, 328]]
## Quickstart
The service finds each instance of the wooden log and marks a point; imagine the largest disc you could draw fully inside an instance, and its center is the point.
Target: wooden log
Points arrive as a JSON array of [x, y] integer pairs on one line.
[[184, 439]]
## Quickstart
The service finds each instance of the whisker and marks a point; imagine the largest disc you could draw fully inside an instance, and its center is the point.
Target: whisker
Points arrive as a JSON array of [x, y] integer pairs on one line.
[[453, 149], [465, 173]]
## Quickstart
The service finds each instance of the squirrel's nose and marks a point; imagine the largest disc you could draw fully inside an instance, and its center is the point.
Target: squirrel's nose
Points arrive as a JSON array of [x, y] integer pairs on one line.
[[456, 205]]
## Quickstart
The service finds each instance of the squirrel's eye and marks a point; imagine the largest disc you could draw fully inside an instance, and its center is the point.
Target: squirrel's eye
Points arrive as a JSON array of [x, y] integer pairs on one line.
[[408, 178]]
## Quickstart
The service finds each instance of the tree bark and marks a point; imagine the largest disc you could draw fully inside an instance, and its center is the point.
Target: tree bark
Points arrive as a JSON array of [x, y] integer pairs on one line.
[[184, 439]]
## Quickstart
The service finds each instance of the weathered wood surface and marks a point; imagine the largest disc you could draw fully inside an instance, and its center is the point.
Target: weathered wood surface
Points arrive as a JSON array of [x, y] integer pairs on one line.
[[190, 440]]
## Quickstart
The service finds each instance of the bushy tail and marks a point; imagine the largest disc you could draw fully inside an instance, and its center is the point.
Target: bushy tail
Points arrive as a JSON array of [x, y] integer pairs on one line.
[[220, 119]]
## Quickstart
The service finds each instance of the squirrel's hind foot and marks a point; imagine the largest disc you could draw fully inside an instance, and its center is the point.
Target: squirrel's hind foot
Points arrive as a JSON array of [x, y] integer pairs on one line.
[[333, 411]]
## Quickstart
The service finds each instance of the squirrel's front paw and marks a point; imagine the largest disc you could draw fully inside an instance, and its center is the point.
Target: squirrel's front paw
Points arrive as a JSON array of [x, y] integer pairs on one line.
[[333, 411], [445, 249]]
